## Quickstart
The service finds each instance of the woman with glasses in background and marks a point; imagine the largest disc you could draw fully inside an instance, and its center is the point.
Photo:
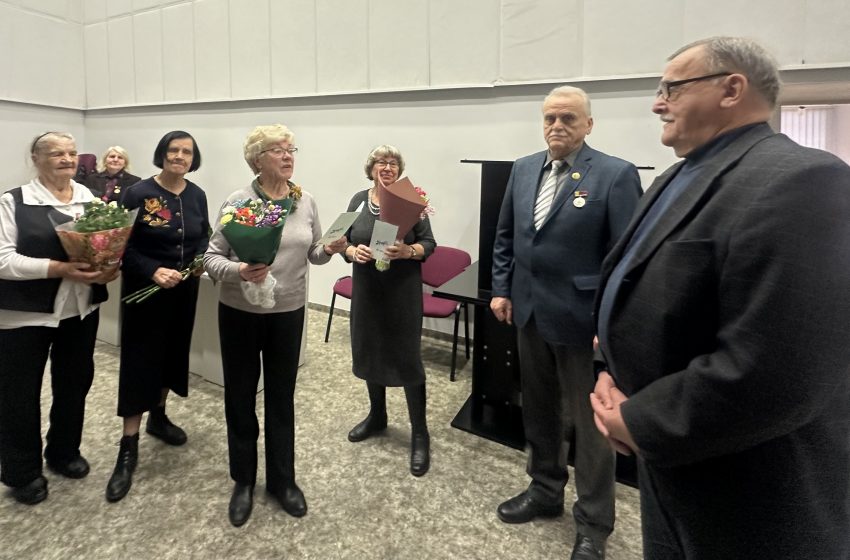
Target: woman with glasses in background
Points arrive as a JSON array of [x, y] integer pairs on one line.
[[386, 311], [113, 175]]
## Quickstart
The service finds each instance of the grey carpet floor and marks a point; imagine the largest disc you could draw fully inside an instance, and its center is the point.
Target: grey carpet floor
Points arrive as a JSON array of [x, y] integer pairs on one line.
[[363, 502]]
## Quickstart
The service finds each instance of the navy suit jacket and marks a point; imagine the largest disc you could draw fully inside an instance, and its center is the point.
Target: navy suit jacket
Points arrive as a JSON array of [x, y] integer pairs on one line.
[[552, 273], [731, 335]]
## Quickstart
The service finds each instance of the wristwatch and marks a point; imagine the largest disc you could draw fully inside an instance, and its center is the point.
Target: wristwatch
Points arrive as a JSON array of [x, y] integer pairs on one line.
[[412, 251]]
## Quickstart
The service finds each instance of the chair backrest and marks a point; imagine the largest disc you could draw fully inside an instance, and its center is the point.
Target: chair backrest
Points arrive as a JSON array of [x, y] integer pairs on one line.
[[86, 165], [444, 264]]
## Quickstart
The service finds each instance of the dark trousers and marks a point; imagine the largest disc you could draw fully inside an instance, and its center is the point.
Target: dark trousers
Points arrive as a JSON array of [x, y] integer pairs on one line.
[[24, 352], [556, 384], [246, 338]]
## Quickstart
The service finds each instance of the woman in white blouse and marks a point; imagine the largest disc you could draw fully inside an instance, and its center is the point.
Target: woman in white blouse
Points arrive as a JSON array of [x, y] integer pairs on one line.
[[48, 308]]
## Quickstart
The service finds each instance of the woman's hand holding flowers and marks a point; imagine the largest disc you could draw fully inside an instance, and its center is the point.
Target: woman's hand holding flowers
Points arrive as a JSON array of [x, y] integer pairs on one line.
[[255, 273], [77, 271], [167, 277]]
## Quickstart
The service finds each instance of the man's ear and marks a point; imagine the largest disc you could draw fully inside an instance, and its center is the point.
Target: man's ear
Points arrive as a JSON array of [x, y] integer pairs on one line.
[[735, 87]]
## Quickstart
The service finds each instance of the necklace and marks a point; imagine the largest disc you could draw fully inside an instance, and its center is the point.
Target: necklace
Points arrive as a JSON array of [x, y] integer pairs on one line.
[[375, 209]]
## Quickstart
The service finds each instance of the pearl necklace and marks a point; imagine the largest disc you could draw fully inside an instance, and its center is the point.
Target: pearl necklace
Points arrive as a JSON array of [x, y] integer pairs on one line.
[[375, 209]]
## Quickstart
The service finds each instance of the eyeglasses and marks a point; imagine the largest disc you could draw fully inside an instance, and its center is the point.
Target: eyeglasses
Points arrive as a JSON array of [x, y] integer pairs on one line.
[[390, 164], [278, 152], [665, 88]]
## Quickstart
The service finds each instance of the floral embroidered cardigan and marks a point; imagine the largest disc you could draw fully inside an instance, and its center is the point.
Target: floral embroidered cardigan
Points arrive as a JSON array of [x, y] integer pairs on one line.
[[170, 230]]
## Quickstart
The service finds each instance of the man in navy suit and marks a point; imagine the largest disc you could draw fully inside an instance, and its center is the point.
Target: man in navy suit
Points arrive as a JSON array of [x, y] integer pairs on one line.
[[724, 315], [564, 208]]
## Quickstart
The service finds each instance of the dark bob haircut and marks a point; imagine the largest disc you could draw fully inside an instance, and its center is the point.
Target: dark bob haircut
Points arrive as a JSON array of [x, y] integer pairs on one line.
[[162, 149]]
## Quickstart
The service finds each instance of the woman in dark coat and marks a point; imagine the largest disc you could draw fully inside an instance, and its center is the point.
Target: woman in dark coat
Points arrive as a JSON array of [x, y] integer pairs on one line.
[[113, 175], [172, 228], [386, 312]]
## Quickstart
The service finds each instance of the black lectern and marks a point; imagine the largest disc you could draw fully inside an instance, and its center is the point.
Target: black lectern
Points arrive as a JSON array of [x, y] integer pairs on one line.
[[493, 408]]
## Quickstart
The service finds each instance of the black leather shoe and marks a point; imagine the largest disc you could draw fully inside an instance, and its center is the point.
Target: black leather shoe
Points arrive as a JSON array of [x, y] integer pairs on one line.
[[32, 493], [369, 427], [420, 454], [75, 468], [524, 508], [291, 500], [122, 477], [586, 548], [241, 503], [159, 426]]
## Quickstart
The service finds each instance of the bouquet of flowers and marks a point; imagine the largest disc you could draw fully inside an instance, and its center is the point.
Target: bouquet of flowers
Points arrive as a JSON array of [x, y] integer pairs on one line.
[[253, 229], [141, 295], [99, 236], [402, 205]]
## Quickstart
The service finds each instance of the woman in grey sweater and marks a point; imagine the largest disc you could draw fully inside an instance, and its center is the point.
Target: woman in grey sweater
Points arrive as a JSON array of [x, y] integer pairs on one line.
[[250, 332]]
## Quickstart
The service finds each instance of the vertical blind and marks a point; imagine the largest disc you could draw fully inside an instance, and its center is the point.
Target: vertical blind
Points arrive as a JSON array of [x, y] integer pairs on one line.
[[809, 126]]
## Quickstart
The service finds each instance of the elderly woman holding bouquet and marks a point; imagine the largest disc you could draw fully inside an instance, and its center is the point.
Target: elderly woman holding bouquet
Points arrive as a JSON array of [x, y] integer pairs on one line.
[[113, 175], [48, 308], [261, 313], [386, 311], [171, 231]]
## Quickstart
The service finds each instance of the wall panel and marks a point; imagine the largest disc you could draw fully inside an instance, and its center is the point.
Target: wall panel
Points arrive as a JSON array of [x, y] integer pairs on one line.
[[122, 79], [342, 42], [541, 40], [178, 53], [212, 49], [398, 44], [463, 42], [147, 56], [292, 43], [250, 64]]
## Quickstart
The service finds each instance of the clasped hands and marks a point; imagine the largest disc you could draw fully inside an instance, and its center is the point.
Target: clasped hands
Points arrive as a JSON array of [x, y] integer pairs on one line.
[[606, 400]]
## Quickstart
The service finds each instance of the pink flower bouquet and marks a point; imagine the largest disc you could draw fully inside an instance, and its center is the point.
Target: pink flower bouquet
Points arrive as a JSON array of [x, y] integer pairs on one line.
[[99, 236]]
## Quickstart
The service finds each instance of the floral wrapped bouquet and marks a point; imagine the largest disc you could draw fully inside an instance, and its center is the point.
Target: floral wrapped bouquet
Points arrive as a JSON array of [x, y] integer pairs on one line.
[[99, 236]]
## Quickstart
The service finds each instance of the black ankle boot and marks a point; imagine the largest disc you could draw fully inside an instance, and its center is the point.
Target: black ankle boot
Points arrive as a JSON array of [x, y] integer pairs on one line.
[[420, 453], [370, 426], [122, 477], [159, 426]]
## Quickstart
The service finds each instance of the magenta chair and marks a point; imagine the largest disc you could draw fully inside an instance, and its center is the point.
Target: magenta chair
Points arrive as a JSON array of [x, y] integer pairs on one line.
[[342, 287], [444, 264]]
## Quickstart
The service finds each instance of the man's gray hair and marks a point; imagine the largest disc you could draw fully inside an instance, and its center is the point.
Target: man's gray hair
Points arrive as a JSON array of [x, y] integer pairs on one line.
[[744, 56], [570, 90]]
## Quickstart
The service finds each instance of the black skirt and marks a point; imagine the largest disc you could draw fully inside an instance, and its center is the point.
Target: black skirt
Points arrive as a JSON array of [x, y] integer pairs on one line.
[[156, 336]]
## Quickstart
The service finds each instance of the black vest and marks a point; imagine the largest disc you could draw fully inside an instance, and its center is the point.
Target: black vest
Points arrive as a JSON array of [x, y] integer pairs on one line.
[[37, 238]]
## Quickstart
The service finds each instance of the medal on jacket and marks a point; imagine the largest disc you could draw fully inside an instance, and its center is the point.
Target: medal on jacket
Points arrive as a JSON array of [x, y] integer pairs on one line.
[[579, 201]]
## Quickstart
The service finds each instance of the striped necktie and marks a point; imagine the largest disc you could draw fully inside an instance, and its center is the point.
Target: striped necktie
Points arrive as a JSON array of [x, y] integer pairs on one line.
[[546, 194]]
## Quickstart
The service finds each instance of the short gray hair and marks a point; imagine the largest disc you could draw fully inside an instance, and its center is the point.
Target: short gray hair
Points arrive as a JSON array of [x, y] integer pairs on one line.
[[744, 56], [40, 143], [101, 165], [261, 138], [570, 90], [384, 150]]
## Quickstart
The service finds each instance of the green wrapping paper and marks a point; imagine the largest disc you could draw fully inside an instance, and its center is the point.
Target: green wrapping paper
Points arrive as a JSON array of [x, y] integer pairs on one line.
[[256, 245]]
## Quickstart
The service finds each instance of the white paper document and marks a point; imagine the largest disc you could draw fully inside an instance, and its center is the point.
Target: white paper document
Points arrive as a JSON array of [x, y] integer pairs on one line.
[[339, 227], [383, 236]]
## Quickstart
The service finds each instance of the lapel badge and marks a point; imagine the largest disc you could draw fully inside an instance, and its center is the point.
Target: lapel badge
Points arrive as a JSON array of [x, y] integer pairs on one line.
[[575, 176], [579, 199]]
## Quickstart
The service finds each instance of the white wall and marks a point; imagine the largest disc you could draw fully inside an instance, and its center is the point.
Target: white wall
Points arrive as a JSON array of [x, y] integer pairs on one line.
[[149, 51], [21, 123], [335, 134]]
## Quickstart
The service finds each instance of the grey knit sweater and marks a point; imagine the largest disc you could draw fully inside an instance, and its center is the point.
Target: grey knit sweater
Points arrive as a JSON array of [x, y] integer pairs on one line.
[[298, 245]]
